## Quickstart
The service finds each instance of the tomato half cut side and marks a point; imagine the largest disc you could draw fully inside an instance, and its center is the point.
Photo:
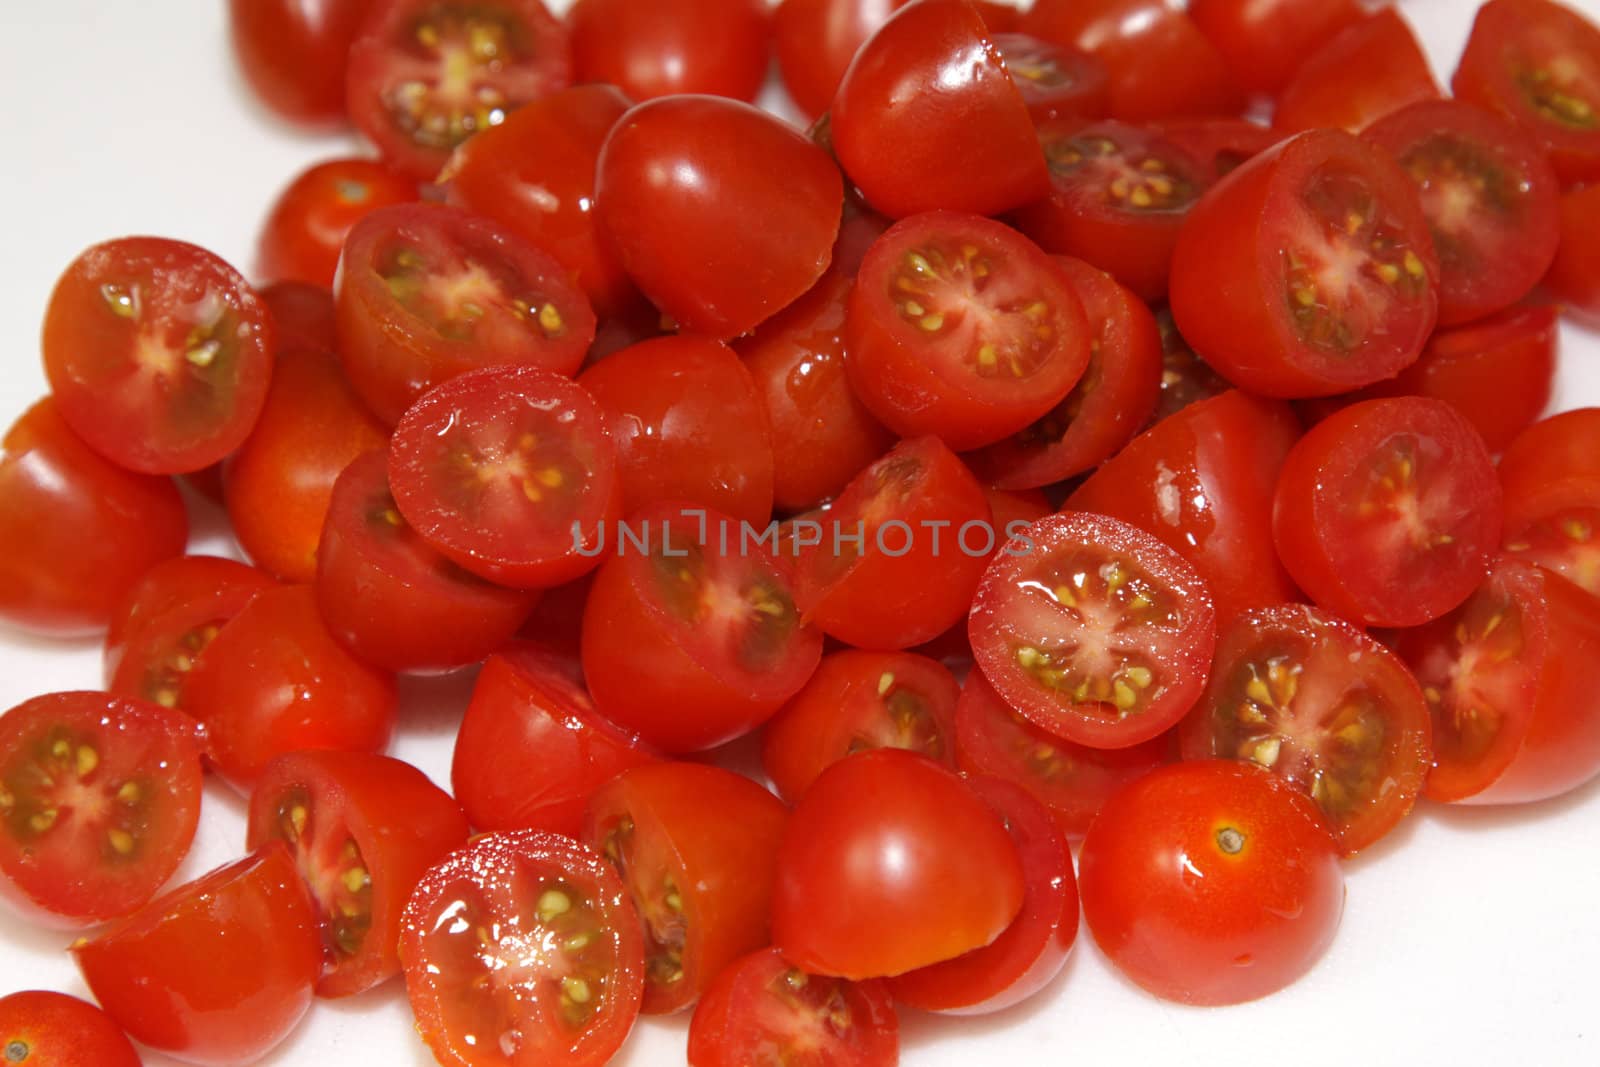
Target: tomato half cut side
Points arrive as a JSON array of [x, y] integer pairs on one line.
[[523, 948], [1094, 630], [760, 1004], [1370, 69], [52, 1028], [158, 354], [1564, 541], [99, 800], [1311, 698], [1055, 82], [1219, 145], [175, 584]]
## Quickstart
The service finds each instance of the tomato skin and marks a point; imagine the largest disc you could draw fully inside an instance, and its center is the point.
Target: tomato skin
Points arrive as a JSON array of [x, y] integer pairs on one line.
[[721, 214], [160, 975], [532, 749], [815, 40], [717, 47], [275, 681], [1264, 43], [1219, 145], [1367, 71], [1551, 466], [171, 585], [932, 82], [303, 315], [277, 486], [55, 1030], [76, 531], [293, 54], [1574, 277], [306, 227], [927, 866]]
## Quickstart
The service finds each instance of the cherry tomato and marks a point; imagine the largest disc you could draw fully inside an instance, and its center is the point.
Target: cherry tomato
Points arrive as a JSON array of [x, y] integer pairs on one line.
[[158, 354], [425, 75], [718, 47], [216, 972], [1564, 542], [1185, 378], [293, 53], [172, 584], [1369, 70], [1310, 271], [932, 82], [1211, 883], [1551, 466], [303, 315], [721, 214], [76, 531], [1219, 145], [959, 326], [1055, 82], [1264, 42], [43, 1029], [815, 40], [1386, 512], [927, 867], [523, 948], [306, 228], [1574, 277], [761, 1006]]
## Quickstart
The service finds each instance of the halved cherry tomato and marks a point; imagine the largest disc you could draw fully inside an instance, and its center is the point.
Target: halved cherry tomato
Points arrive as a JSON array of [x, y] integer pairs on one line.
[[307, 226], [1211, 883], [1219, 145], [1370, 69], [959, 326], [425, 75], [1055, 82], [510, 472], [1264, 42], [293, 53], [664, 47], [1574, 277], [926, 866], [760, 1006], [815, 40], [158, 354], [303, 315], [1551, 466], [1565, 542], [43, 1029], [170, 585], [99, 800], [1508, 677], [216, 972], [1387, 511], [523, 948]]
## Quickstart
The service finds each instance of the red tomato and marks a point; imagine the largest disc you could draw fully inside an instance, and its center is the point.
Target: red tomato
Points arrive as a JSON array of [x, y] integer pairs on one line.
[[959, 326], [718, 47], [390, 598], [855, 702], [534, 174], [303, 315], [532, 750], [522, 948], [697, 847], [557, 622], [1219, 145], [1027, 957], [306, 228], [1370, 69], [509, 472], [1094, 630], [1538, 64], [689, 426], [216, 972], [1185, 378], [932, 83], [99, 800], [1211, 883], [1551, 466], [1111, 402], [274, 680], [1073, 781], [425, 75], [1201, 481], [1574, 277], [364, 830], [76, 531], [158, 354], [1564, 542], [761, 1006], [426, 293], [173, 584], [1508, 677], [1265, 41], [42, 1029], [1159, 61], [815, 40], [279, 483], [1386, 512], [1055, 82], [691, 636], [894, 561], [1310, 271], [293, 53], [926, 866], [1118, 198]]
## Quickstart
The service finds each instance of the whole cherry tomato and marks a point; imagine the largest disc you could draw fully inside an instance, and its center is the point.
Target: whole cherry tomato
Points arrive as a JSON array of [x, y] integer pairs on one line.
[[43, 1029], [1265, 41], [293, 53], [306, 228]]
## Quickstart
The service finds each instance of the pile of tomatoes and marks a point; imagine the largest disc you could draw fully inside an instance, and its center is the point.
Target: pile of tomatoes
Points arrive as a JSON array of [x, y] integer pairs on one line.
[[1062, 456]]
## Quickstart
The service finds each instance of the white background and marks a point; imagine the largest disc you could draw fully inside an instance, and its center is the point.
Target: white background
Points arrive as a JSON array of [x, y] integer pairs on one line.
[[1471, 937]]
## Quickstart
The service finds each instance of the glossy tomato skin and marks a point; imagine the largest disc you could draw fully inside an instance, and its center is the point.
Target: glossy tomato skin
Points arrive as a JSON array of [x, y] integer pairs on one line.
[[324, 805], [164, 976], [306, 227], [1367, 71], [928, 867], [303, 315], [1264, 43], [55, 1030], [293, 54], [760, 1003], [721, 214], [1551, 466], [815, 40], [76, 531], [1261, 910], [718, 47], [534, 174], [532, 749], [1574, 277], [278, 485], [1266, 324], [275, 681]]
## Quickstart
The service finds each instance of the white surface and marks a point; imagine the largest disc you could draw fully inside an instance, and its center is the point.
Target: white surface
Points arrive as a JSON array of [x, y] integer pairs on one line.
[[1469, 938]]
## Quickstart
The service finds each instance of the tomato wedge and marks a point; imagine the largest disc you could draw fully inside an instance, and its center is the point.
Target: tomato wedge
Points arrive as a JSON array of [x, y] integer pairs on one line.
[[1055, 82]]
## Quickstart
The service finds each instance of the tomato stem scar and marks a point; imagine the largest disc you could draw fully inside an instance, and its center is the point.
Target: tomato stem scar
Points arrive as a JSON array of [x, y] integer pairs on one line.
[[1230, 840], [16, 1052]]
